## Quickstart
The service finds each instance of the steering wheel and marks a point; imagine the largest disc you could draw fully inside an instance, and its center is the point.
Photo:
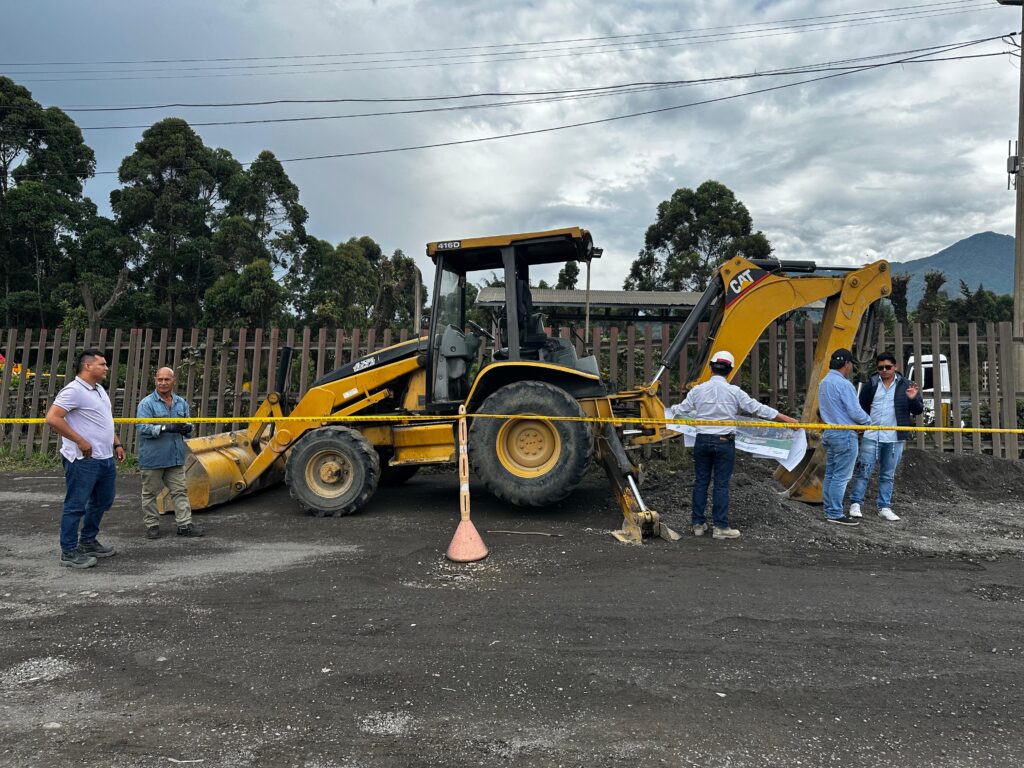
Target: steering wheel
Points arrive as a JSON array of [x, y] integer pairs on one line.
[[479, 330]]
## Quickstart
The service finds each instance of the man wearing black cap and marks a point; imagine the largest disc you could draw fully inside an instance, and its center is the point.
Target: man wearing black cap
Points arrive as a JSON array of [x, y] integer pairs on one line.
[[837, 404]]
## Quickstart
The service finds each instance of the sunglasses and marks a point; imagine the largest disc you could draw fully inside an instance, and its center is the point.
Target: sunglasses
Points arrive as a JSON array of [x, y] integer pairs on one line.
[[886, 367]]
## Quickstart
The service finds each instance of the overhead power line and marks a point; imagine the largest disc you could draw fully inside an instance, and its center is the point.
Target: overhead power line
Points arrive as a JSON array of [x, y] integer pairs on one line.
[[533, 132], [472, 95], [511, 57], [490, 46], [562, 95]]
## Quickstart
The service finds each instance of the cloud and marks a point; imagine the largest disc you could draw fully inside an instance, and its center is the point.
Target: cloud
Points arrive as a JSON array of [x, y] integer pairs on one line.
[[898, 162]]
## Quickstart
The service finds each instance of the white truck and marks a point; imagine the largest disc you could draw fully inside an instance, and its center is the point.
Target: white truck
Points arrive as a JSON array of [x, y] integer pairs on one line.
[[928, 390]]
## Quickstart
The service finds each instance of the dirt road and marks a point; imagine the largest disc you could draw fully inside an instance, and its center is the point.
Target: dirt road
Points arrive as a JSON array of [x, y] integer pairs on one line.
[[283, 640]]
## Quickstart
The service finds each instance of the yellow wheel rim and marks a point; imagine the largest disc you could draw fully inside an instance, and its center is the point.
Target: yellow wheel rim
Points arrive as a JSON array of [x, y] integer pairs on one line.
[[328, 474], [528, 447]]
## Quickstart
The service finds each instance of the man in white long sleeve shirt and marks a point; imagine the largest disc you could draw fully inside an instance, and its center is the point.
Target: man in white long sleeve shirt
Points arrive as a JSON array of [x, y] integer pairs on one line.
[[715, 449]]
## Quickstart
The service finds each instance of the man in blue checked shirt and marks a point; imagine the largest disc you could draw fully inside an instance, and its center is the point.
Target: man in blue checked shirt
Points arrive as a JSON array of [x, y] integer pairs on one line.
[[837, 404], [162, 455]]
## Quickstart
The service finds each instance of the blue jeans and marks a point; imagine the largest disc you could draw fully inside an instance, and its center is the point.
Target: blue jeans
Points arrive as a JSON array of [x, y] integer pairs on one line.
[[888, 456], [840, 458], [713, 454], [89, 493]]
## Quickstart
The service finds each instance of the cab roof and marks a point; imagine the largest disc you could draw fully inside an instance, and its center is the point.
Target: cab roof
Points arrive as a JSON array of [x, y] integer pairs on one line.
[[548, 247]]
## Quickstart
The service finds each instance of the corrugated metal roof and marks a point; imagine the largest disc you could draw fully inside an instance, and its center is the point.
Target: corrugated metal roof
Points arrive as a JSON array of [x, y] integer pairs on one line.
[[555, 297]]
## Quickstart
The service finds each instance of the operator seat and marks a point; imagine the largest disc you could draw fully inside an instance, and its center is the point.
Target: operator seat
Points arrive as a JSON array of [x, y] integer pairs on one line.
[[531, 324]]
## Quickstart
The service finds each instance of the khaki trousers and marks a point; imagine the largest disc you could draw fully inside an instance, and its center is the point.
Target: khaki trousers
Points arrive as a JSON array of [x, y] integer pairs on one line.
[[153, 483]]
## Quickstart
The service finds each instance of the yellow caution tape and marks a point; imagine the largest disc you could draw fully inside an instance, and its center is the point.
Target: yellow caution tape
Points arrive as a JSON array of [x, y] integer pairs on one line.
[[389, 418]]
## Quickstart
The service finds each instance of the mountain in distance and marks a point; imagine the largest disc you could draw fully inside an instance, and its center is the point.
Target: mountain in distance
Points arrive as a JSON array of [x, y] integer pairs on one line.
[[982, 259]]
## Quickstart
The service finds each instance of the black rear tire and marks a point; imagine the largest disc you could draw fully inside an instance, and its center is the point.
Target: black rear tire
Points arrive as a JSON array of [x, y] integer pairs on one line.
[[332, 471], [528, 462]]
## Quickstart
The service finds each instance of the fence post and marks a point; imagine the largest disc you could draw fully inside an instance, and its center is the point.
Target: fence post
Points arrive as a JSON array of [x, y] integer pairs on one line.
[[919, 378], [954, 385], [613, 356], [5, 379], [992, 360], [937, 386], [1008, 382], [972, 358], [254, 379], [33, 403], [51, 387], [304, 365], [18, 429], [222, 377], [321, 351], [236, 406]]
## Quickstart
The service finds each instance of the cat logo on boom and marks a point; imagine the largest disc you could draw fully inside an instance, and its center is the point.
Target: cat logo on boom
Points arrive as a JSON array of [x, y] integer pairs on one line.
[[742, 282]]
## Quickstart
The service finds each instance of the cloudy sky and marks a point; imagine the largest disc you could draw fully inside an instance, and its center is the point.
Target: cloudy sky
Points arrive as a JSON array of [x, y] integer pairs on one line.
[[896, 162]]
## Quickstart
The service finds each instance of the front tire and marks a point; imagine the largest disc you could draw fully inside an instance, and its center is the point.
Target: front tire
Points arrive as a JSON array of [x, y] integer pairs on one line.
[[530, 462], [332, 471]]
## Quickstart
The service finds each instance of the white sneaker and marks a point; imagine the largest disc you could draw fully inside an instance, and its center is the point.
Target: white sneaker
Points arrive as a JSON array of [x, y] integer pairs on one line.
[[855, 510], [887, 514]]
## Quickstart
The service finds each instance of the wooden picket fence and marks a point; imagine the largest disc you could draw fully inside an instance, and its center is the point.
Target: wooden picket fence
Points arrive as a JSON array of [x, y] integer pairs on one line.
[[227, 373]]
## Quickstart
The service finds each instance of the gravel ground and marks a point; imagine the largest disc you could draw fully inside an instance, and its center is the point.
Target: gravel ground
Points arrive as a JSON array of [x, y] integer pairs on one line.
[[284, 640]]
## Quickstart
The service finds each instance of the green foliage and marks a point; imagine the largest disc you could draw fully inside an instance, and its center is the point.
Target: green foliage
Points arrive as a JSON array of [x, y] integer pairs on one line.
[[43, 164], [16, 460], [568, 276], [934, 305], [695, 231], [252, 298], [394, 305], [898, 297], [980, 306], [173, 193], [334, 287]]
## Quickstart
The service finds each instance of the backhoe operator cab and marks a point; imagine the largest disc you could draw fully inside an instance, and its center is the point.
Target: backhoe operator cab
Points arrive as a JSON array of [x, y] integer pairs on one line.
[[522, 336]]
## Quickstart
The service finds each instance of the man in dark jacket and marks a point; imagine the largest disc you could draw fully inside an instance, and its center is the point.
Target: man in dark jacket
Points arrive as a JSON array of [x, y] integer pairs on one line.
[[891, 401]]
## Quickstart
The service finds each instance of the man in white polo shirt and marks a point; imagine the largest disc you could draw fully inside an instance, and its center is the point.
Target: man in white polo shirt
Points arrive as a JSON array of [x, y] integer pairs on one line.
[[81, 415]]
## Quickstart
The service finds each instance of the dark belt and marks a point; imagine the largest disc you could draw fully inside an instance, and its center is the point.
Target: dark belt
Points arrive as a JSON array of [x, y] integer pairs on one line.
[[718, 438]]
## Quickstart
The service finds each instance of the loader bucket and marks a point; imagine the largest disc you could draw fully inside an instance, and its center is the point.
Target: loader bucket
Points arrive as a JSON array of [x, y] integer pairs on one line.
[[214, 470], [804, 483]]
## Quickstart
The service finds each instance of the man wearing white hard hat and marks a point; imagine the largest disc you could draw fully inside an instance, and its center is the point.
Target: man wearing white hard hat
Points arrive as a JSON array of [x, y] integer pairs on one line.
[[714, 452]]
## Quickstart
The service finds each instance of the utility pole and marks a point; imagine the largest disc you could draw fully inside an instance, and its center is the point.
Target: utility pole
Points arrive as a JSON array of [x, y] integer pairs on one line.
[[1018, 236]]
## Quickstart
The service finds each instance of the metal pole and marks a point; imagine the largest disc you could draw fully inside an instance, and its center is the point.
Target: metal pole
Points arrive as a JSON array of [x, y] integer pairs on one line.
[[1018, 236], [1018, 260], [416, 304], [586, 322]]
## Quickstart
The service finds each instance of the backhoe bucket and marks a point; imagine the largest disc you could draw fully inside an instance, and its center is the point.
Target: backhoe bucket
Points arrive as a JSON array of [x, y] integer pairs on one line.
[[805, 481], [214, 470]]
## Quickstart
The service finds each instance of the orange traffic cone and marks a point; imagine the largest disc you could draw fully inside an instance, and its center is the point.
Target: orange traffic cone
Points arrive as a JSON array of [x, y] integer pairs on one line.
[[466, 546]]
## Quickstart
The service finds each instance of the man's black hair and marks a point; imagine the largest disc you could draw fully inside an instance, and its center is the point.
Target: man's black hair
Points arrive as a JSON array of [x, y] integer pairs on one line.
[[84, 357], [886, 356], [720, 368]]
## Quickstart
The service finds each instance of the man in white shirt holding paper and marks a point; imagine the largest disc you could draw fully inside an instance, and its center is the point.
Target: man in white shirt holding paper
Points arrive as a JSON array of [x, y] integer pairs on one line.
[[714, 452]]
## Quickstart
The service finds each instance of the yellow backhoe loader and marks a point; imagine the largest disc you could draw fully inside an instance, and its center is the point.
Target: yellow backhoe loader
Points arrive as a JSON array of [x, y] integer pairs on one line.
[[416, 387]]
